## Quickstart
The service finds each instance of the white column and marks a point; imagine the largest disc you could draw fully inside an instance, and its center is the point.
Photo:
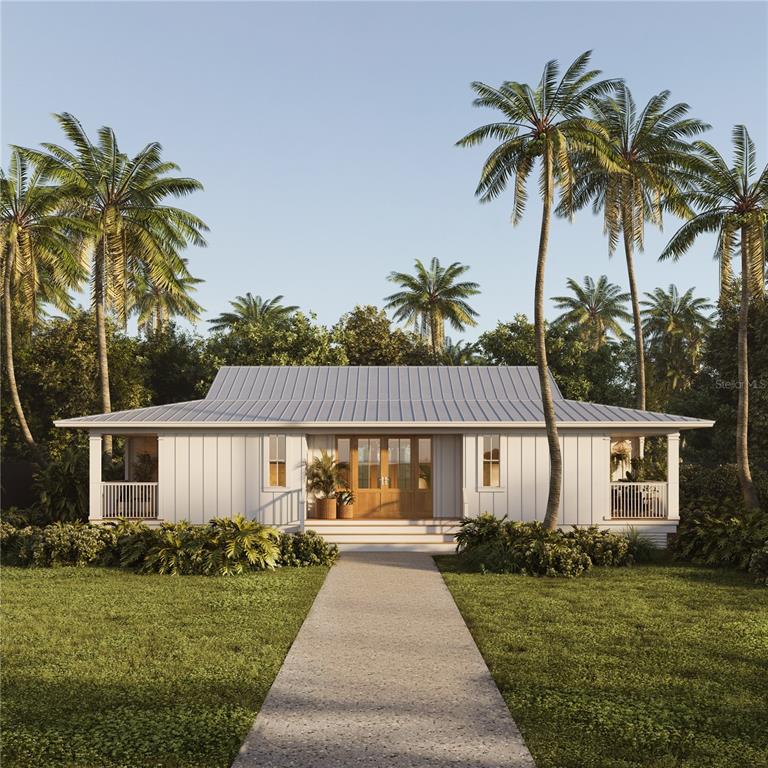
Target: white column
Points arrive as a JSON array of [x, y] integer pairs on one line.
[[94, 476], [673, 476]]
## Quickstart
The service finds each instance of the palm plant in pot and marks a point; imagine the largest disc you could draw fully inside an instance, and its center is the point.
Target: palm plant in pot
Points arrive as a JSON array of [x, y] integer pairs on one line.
[[325, 478], [346, 501]]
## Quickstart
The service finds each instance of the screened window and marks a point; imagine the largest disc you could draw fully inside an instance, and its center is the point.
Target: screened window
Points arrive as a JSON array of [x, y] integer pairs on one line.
[[491, 462], [277, 461]]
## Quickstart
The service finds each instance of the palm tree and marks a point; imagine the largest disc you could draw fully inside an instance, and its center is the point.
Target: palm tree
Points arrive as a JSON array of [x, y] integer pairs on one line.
[[460, 353], [595, 309], [123, 198], [652, 161], [39, 257], [156, 304], [547, 122], [254, 310], [675, 326], [430, 297], [733, 202]]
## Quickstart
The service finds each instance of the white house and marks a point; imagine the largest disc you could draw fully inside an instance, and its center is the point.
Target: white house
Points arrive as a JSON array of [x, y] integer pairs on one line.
[[425, 446]]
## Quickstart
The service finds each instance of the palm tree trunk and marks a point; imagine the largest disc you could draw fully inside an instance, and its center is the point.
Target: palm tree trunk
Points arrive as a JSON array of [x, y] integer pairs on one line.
[[555, 456], [101, 333], [434, 332], [626, 226], [9, 366], [748, 490]]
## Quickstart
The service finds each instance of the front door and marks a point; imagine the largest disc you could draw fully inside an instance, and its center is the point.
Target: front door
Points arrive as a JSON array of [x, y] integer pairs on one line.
[[390, 475]]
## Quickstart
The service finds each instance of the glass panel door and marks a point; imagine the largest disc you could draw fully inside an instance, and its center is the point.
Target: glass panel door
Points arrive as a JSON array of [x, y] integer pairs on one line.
[[399, 463], [368, 462]]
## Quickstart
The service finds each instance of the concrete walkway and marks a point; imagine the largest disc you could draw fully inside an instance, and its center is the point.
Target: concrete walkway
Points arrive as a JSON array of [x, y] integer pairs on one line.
[[384, 673]]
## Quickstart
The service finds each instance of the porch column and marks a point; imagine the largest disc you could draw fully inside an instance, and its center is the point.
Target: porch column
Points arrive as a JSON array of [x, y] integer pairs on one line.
[[673, 476], [94, 476]]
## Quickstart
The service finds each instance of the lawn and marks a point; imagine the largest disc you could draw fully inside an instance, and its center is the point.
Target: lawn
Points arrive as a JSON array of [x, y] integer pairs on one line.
[[656, 666], [103, 668]]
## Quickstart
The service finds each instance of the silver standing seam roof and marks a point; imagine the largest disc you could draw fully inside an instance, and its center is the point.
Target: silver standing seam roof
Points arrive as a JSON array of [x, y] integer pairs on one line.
[[393, 395]]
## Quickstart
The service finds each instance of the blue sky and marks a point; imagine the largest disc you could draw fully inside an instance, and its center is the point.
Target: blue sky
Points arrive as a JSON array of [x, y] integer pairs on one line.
[[324, 132]]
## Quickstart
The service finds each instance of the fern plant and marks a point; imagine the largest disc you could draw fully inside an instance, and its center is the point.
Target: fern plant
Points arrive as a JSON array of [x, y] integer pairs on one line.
[[238, 544]]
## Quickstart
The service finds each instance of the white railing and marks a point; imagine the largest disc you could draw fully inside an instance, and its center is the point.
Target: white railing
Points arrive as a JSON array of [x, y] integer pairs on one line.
[[639, 501], [136, 501]]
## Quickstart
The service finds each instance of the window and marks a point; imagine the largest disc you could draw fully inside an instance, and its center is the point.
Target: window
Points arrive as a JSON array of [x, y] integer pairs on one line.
[[399, 463], [491, 462], [343, 453], [425, 463], [276, 461], [368, 462]]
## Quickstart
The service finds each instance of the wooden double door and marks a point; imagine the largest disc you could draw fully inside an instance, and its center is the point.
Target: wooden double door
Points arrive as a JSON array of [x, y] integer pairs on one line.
[[390, 475]]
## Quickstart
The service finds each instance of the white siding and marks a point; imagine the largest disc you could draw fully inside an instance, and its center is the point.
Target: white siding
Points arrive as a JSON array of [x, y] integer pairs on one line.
[[524, 458], [446, 476], [202, 476], [205, 475]]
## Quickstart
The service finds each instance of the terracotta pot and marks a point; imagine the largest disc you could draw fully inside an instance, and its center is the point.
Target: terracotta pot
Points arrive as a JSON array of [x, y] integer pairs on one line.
[[325, 509], [346, 511]]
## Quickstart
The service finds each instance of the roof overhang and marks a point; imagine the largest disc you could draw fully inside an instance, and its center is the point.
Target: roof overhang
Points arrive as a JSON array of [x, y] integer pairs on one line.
[[454, 426]]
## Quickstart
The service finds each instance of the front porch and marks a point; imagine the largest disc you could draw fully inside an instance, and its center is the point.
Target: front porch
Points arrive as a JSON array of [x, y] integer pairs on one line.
[[136, 496]]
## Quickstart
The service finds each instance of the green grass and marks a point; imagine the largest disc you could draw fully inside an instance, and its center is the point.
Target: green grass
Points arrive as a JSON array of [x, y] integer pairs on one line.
[[103, 668], [658, 666]]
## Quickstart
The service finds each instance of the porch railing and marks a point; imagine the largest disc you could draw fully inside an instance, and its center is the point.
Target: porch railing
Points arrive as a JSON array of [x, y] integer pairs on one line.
[[136, 501], [639, 501]]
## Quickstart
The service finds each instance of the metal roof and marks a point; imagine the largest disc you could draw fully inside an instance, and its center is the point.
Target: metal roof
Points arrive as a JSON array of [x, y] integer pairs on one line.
[[377, 383], [350, 396]]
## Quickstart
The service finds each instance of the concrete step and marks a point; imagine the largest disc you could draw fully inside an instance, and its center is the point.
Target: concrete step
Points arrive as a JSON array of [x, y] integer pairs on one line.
[[433, 549], [317, 524], [342, 528], [388, 538]]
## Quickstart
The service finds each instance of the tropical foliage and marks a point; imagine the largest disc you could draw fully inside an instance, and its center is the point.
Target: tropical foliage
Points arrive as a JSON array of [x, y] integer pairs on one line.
[[548, 123], [253, 310], [595, 309], [130, 230], [651, 159], [223, 547], [431, 297], [675, 326], [732, 201]]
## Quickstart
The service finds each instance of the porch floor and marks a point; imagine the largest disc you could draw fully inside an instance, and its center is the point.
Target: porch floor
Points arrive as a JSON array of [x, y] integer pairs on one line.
[[384, 672]]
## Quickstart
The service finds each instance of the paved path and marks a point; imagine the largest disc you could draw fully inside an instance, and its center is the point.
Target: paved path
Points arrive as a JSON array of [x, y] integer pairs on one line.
[[384, 673]]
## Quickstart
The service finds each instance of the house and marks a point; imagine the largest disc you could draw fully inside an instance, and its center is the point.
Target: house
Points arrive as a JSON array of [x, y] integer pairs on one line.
[[425, 446]]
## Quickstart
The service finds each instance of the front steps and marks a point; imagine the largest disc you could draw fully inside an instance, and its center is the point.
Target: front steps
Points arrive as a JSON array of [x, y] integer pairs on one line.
[[431, 536]]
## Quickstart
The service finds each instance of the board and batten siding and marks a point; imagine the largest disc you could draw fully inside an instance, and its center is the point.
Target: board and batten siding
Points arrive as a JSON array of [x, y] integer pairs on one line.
[[524, 469], [446, 476], [202, 476]]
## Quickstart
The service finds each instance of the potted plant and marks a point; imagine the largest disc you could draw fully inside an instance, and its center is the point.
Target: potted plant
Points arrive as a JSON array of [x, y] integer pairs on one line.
[[346, 501], [325, 477]]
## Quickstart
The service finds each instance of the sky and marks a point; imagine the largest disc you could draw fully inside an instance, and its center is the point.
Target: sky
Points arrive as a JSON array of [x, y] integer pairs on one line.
[[324, 133]]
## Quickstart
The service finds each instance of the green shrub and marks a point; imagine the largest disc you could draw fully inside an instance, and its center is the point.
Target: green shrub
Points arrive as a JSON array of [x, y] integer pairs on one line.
[[62, 487], [642, 549], [720, 536], [474, 531], [222, 548], [128, 542], [307, 548], [526, 548], [603, 547], [758, 564], [238, 544], [54, 545], [717, 487]]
